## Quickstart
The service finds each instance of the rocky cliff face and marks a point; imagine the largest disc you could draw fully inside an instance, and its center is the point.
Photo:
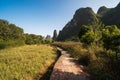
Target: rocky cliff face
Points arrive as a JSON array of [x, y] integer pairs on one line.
[[112, 17], [83, 16], [55, 35], [103, 10]]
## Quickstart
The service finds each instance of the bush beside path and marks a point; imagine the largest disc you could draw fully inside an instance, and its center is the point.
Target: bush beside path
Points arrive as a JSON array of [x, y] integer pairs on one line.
[[66, 68]]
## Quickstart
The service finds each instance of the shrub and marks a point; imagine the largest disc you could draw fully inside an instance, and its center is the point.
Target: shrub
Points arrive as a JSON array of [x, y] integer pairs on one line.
[[11, 43], [111, 39], [84, 29], [33, 39], [77, 51], [88, 38], [80, 53], [2, 45], [99, 71]]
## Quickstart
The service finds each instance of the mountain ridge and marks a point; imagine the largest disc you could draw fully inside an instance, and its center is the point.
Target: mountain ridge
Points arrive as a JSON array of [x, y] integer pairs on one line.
[[86, 16], [82, 16]]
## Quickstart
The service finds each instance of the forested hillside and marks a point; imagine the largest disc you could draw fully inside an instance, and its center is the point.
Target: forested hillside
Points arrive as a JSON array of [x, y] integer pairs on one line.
[[86, 16]]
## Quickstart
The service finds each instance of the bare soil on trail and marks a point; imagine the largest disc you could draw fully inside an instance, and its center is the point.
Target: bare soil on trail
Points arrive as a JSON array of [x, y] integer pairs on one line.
[[66, 68]]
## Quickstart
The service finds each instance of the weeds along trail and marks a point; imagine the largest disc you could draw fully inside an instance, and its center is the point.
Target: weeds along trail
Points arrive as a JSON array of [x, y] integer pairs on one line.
[[66, 68], [25, 62]]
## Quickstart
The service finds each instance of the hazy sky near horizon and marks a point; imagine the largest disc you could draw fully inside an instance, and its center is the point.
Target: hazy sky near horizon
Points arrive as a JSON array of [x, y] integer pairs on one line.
[[43, 16]]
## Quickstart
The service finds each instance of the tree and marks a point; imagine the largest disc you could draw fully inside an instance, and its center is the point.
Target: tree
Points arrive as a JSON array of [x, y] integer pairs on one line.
[[91, 33], [10, 31], [10, 34], [89, 37], [84, 29], [111, 38], [16, 32], [33, 39]]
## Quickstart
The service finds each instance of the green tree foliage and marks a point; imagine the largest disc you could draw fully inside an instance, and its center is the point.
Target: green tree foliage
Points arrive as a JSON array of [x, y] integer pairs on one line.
[[10, 31], [105, 46], [91, 33], [89, 37], [10, 35], [16, 32], [84, 29], [111, 38], [33, 39]]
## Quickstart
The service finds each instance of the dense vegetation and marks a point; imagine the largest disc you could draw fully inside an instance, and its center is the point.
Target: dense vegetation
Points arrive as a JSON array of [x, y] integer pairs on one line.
[[33, 39], [12, 35], [25, 62], [86, 16], [97, 46], [99, 41], [106, 38], [99, 50]]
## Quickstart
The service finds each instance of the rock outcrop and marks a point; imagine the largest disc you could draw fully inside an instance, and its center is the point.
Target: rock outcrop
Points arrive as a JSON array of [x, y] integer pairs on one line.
[[112, 17], [102, 10], [86, 16], [83, 16], [55, 35]]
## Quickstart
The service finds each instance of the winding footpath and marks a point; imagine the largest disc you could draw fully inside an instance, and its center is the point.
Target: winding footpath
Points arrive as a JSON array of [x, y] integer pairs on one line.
[[66, 68]]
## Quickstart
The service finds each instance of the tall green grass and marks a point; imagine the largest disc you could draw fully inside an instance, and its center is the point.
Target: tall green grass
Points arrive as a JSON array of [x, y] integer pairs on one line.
[[25, 62]]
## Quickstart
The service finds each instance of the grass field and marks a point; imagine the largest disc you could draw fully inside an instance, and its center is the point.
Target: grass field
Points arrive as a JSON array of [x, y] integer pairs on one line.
[[66, 45], [26, 62]]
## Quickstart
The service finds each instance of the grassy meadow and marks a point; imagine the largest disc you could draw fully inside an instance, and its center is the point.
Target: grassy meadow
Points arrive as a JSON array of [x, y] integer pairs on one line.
[[25, 62]]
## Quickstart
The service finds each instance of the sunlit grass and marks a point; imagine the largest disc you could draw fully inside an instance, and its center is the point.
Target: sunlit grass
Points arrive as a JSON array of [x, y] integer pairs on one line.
[[66, 45], [24, 63]]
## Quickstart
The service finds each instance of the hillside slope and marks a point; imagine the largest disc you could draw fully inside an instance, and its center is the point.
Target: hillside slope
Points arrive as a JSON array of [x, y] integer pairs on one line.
[[112, 17], [86, 16], [83, 16]]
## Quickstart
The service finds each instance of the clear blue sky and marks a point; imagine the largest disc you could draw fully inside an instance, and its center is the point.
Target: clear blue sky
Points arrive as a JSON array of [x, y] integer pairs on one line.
[[43, 16]]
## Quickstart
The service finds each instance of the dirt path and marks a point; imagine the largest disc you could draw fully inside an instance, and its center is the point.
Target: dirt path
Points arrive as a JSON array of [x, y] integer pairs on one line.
[[66, 68]]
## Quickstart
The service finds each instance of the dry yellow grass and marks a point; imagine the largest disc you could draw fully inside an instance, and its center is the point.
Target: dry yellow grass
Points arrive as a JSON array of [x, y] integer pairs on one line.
[[24, 63]]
